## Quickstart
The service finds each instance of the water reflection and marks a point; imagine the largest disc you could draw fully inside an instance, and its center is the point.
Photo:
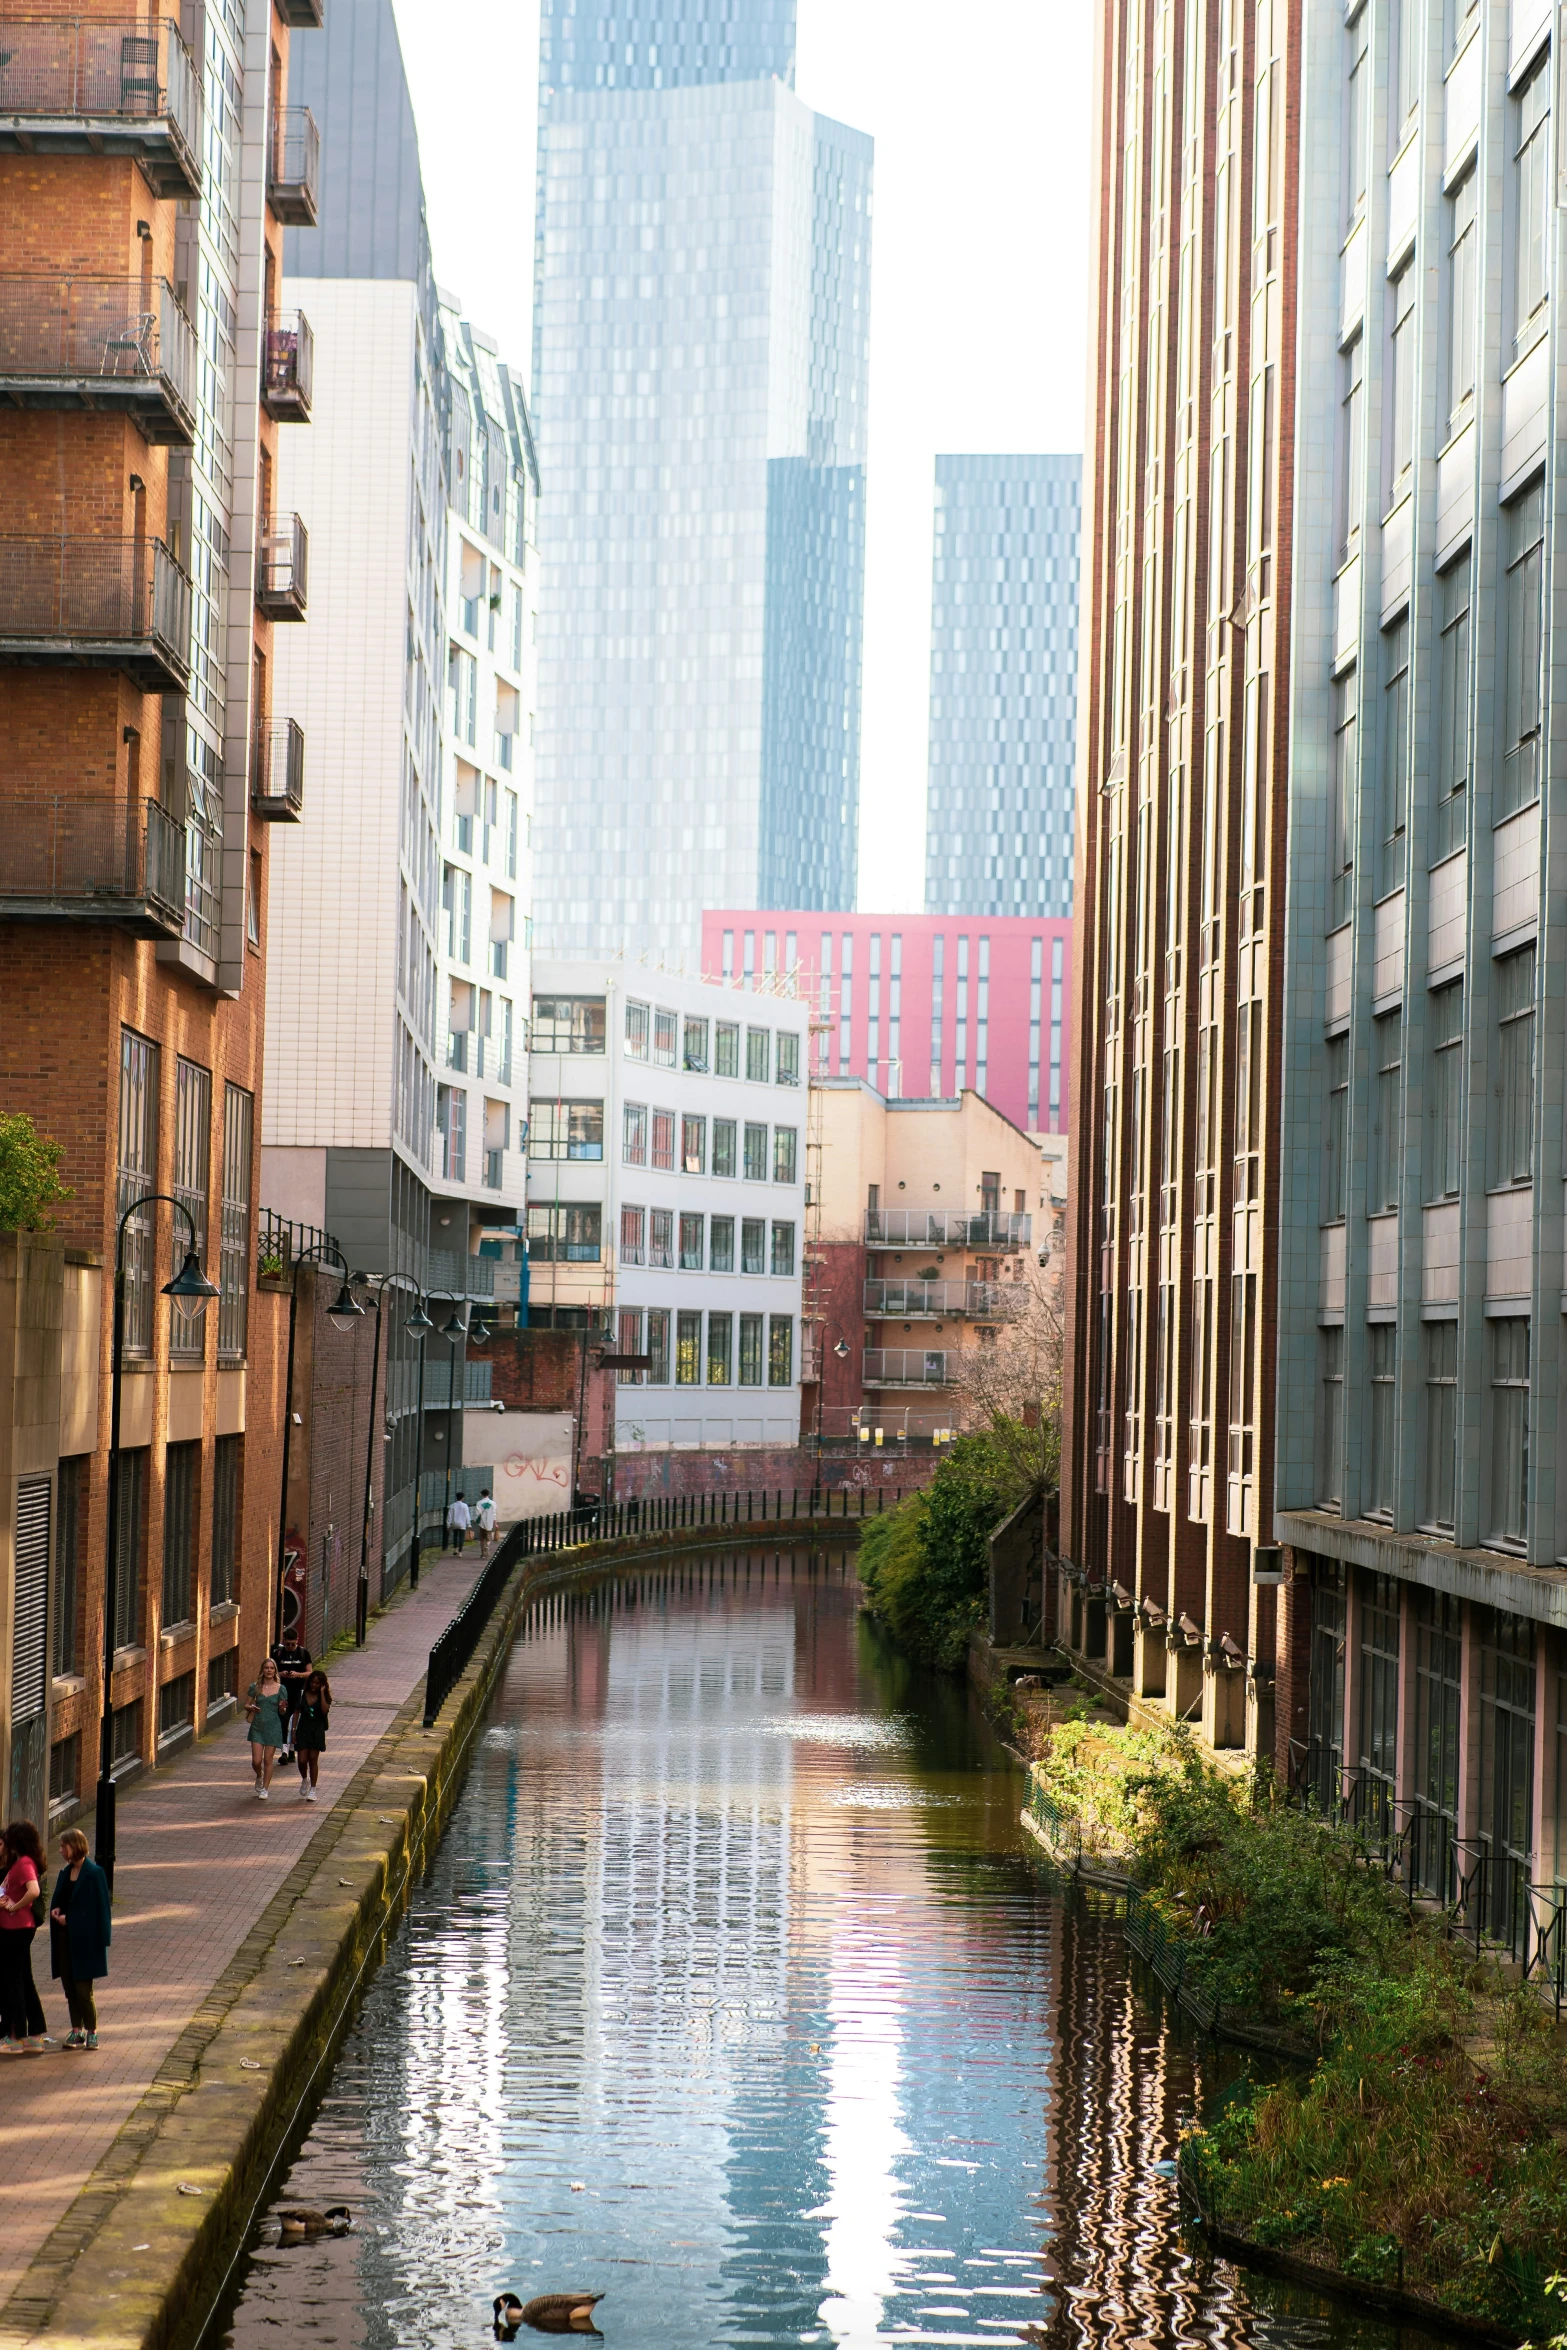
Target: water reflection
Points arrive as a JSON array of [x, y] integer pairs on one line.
[[735, 1993]]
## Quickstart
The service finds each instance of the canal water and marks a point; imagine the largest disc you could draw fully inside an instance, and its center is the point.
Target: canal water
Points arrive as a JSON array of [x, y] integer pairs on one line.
[[736, 1994]]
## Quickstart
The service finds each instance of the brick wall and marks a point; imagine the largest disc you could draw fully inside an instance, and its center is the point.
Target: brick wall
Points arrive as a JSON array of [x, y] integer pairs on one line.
[[770, 1468]]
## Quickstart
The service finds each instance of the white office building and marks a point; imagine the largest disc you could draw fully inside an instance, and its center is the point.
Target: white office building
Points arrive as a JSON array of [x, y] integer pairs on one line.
[[666, 1194]]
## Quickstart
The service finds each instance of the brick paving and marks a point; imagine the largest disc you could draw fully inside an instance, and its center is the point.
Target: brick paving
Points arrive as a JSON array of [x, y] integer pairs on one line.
[[199, 1859]]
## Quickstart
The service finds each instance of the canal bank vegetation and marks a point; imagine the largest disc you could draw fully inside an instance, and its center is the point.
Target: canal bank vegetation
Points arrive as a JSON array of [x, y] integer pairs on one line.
[[1422, 2144]]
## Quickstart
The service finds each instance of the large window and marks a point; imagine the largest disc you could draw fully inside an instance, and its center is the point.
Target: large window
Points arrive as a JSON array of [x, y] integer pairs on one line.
[[565, 1233], [750, 1350], [568, 1024], [692, 1232], [637, 1032], [130, 1546], [1452, 711], [227, 1464], [1462, 281], [1357, 144], [1509, 1432], [721, 1244], [688, 1350], [753, 1245], [181, 1491], [664, 1140], [666, 1027], [1441, 1430], [138, 1171], [1395, 753], [1382, 1347], [1513, 1148], [726, 1048], [780, 1350], [234, 1254], [1438, 1690], [1401, 386], [1532, 198], [1341, 803], [1330, 1421], [1351, 445], [70, 1533], [633, 1236], [756, 1154], [1335, 1172], [1325, 1684], [565, 1130], [723, 1146], [1378, 1615], [1382, 1173], [720, 1350], [759, 1055], [1445, 1126], [628, 1341], [785, 1154], [1404, 68], [1524, 533], [783, 1248], [788, 1069], [696, 1043], [658, 1346], [693, 1145], [192, 1174], [661, 1238], [633, 1145]]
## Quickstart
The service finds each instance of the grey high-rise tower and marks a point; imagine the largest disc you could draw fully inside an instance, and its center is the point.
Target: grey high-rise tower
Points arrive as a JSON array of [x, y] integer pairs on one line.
[[1003, 686], [700, 339]]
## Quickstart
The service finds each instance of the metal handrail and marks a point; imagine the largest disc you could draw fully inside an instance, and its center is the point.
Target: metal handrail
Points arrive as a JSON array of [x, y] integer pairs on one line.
[[123, 71], [288, 370], [947, 1228], [905, 1366], [991, 1300], [65, 849], [277, 773]]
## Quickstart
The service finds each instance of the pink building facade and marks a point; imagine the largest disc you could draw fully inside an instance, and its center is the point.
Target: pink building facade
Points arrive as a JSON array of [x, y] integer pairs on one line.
[[920, 1004]]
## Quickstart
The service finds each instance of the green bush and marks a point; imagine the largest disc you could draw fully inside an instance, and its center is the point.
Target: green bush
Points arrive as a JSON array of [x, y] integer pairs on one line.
[[926, 1565], [29, 1176]]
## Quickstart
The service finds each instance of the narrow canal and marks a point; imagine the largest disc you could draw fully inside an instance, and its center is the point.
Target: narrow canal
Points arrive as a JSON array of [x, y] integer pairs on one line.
[[735, 1995]]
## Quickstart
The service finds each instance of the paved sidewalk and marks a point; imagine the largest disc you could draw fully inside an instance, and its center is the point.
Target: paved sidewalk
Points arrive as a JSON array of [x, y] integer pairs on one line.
[[199, 1859]]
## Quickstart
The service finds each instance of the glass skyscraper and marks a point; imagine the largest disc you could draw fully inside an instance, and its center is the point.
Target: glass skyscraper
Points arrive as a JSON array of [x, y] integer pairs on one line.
[[1003, 686], [700, 342]]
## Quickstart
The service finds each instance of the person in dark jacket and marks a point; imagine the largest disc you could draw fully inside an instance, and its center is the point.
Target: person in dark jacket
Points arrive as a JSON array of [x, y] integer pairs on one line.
[[79, 1935]]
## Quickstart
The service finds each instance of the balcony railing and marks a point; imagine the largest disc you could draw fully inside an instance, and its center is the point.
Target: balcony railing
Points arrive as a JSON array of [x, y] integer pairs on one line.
[[988, 1300], [123, 603], [905, 1366], [295, 177], [946, 1228], [103, 86], [277, 771], [283, 568], [66, 857], [105, 343], [289, 366]]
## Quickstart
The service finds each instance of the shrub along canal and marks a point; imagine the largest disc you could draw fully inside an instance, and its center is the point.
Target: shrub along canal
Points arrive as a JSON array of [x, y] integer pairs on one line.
[[736, 1993]]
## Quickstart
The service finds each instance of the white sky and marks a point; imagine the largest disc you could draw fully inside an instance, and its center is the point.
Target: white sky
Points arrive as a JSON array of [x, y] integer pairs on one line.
[[979, 286]]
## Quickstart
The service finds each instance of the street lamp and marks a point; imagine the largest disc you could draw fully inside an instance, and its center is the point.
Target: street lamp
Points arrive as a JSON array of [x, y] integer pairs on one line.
[[342, 1313], [421, 1325], [191, 1293], [454, 1330]]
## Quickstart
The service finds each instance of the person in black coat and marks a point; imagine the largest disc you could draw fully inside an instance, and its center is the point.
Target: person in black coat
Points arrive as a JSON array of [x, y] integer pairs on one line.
[[79, 1935]]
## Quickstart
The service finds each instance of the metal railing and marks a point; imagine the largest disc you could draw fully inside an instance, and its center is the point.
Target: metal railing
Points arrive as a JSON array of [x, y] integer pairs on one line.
[[96, 860], [472, 1384], [989, 1300], [277, 771], [295, 177], [905, 1366], [102, 341], [120, 600], [283, 568], [449, 1273], [110, 84], [288, 367], [946, 1228]]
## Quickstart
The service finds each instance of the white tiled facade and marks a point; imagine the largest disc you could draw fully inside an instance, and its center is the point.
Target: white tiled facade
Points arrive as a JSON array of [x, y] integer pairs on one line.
[[666, 1194]]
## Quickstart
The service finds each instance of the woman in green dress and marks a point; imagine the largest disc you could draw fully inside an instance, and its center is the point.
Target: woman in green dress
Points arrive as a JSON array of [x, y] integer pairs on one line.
[[264, 1708]]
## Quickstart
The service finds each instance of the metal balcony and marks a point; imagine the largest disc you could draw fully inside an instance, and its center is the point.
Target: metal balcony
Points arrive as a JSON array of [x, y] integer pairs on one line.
[[992, 1301], [64, 857], [282, 568], [103, 343], [288, 367], [100, 85], [295, 176], [905, 1366], [277, 771], [946, 1228], [112, 603]]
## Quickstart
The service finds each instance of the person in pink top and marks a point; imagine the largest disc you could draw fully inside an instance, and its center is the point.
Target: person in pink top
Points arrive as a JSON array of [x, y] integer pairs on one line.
[[21, 2016]]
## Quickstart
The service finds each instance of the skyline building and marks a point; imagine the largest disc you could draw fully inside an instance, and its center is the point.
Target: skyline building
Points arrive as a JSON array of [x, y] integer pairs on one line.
[[1001, 781], [701, 307]]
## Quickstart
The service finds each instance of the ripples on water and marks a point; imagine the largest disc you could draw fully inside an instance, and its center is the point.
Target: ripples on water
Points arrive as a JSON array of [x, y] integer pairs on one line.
[[733, 1993]]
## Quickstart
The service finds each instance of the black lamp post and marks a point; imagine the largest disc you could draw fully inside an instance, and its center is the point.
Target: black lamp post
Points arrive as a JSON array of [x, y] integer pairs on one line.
[[454, 1330], [421, 1325], [362, 1284], [342, 1313], [192, 1293]]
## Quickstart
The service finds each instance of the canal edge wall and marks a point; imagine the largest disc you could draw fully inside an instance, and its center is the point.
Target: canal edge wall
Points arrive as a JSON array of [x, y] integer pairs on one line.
[[144, 2254]]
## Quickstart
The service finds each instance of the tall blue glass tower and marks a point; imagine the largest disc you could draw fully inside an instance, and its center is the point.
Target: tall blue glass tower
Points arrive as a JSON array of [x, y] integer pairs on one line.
[[1003, 686], [701, 312]]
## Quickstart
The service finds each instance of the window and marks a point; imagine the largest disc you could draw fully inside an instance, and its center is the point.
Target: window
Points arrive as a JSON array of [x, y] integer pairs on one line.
[[65, 1772], [565, 1234], [1358, 142], [1533, 199], [1378, 1621], [1514, 1161], [1462, 265], [756, 1154], [753, 1245], [637, 1032], [1382, 1340], [723, 1146], [1395, 753], [176, 1709], [1446, 1125], [566, 1130], [633, 1146], [227, 1459], [253, 904], [451, 1120], [1335, 1174], [665, 1027], [1341, 810], [783, 1248], [1330, 1421], [222, 1682], [568, 1024], [785, 1139], [181, 1489], [661, 1238], [726, 1049], [234, 1238], [1441, 1430], [758, 1055], [788, 1071], [192, 1173], [695, 1043], [664, 1140], [138, 1171], [1401, 380], [130, 1546], [750, 1350], [658, 1346], [633, 1236], [1525, 529], [693, 1145], [990, 1191], [721, 1244], [124, 1738], [692, 1229], [688, 1350], [1438, 1692], [1509, 1432], [780, 1350], [1382, 1174], [628, 1332], [720, 1350], [70, 1529], [1352, 445], [1404, 68], [1452, 711]]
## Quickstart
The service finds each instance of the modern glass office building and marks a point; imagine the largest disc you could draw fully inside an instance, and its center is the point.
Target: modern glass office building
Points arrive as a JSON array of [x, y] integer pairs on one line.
[[1003, 686], [700, 337]]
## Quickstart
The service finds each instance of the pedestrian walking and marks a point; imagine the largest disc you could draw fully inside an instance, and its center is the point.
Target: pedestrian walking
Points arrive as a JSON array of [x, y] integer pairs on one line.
[[21, 2015], [457, 1523], [310, 1727], [264, 1710], [79, 1931], [293, 1661], [484, 1519]]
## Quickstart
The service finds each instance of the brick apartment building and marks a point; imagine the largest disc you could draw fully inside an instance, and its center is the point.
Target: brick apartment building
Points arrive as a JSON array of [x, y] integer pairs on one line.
[[147, 166]]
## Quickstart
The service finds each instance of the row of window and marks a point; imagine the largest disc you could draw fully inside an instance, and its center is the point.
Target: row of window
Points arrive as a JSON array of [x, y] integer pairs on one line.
[[182, 1545], [190, 1178], [741, 1350], [648, 1236], [714, 1048], [665, 1140], [1506, 1448]]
